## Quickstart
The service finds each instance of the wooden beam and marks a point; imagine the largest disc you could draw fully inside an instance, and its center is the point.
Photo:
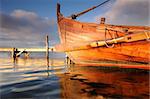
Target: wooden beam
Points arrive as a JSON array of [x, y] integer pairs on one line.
[[47, 47]]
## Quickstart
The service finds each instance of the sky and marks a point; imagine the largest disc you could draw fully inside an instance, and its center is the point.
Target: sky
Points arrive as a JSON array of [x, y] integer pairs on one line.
[[25, 23]]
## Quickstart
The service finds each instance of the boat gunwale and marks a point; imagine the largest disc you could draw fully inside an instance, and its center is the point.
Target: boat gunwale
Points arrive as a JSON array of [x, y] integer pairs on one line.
[[60, 16]]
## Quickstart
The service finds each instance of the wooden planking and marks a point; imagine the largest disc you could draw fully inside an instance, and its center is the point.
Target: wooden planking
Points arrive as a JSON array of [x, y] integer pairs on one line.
[[125, 52], [72, 33]]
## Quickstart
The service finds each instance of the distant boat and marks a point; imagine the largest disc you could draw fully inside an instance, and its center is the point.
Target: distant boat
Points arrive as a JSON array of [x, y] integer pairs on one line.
[[94, 44]]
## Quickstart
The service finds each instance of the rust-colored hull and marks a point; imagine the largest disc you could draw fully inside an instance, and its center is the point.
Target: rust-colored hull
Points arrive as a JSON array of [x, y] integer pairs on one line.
[[75, 34]]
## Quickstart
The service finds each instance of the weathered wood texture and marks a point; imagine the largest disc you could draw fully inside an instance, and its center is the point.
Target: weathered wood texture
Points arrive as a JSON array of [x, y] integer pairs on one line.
[[47, 47], [73, 33]]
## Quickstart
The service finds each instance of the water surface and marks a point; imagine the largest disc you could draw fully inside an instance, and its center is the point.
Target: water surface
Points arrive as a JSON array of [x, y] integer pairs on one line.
[[54, 79]]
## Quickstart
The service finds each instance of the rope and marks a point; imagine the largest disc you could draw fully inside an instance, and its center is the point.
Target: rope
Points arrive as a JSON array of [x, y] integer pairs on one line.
[[147, 35], [74, 16], [106, 39]]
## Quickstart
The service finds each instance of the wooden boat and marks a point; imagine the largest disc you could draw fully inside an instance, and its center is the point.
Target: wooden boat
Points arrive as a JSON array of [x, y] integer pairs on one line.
[[90, 43]]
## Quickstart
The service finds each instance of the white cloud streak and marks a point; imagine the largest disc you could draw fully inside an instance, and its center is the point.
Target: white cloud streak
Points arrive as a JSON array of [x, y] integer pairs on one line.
[[129, 12]]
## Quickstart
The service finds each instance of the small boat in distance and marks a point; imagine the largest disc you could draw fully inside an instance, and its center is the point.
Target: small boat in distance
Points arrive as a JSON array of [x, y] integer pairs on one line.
[[103, 44]]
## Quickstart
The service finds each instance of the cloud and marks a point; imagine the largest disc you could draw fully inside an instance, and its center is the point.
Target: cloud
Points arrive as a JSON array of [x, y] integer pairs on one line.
[[22, 13], [129, 12], [24, 27]]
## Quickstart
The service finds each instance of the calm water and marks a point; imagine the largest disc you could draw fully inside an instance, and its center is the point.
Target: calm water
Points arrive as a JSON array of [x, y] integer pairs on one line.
[[40, 78]]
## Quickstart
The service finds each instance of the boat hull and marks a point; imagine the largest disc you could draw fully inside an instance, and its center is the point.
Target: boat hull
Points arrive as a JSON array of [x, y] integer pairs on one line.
[[136, 52], [122, 55], [76, 36]]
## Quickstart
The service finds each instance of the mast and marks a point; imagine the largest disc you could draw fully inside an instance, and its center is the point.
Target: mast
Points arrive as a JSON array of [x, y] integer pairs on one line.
[[74, 16]]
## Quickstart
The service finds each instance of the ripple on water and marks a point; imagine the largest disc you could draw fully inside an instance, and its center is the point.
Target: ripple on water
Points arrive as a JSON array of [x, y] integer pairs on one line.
[[33, 78], [29, 79], [38, 86]]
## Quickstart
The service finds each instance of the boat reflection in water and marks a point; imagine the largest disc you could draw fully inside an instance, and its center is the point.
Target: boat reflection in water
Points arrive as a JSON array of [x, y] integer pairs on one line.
[[104, 82], [53, 79]]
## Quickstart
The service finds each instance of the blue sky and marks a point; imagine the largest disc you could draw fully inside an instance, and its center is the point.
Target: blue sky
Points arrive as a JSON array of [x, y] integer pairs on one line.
[[26, 22], [47, 8]]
